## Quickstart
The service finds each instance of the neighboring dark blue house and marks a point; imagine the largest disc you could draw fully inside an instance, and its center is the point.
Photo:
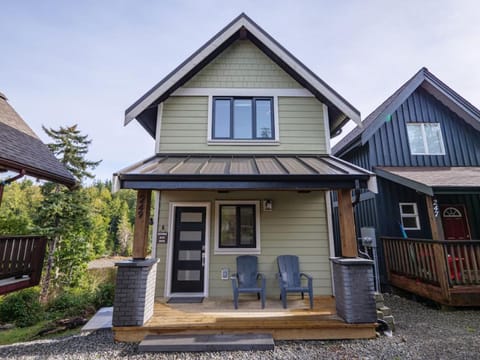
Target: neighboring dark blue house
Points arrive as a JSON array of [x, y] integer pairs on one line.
[[423, 143]]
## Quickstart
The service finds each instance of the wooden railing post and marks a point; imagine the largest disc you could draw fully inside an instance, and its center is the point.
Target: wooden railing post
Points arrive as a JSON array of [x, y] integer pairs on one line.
[[142, 222], [348, 236], [441, 262]]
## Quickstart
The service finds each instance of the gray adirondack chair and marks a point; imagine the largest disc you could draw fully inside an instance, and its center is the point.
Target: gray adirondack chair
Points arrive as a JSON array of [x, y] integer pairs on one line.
[[247, 279], [290, 279]]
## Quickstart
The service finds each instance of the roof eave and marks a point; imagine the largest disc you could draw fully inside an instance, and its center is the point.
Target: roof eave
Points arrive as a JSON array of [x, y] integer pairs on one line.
[[200, 55]]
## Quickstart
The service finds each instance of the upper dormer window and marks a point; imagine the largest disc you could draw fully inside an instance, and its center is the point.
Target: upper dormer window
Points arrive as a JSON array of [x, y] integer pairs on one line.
[[425, 139], [243, 118]]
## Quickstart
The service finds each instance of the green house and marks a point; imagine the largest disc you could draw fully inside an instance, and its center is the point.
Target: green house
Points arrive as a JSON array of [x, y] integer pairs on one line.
[[242, 166]]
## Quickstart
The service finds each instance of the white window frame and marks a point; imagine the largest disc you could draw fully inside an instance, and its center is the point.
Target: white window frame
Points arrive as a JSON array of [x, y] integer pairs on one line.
[[425, 140], [237, 251], [414, 215]]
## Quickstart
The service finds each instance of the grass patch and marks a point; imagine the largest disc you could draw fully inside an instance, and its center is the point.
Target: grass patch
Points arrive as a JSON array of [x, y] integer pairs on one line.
[[29, 333]]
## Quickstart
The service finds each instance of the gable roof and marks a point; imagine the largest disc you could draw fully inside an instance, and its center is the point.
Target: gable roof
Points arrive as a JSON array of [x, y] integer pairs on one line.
[[21, 149], [433, 85], [144, 109]]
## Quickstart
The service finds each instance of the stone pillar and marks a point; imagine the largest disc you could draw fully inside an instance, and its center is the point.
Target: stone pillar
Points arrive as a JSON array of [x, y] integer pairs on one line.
[[134, 292], [354, 290]]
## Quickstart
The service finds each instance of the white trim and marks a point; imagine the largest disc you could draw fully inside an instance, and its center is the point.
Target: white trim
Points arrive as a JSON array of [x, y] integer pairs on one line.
[[159, 127], [210, 118], [326, 125], [414, 215], [331, 239], [295, 92], [155, 223], [270, 44], [169, 261], [248, 142], [237, 251], [244, 142]]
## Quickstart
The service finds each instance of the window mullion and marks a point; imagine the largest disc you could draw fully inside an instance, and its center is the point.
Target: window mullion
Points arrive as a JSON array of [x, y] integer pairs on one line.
[[425, 142], [231, 117], [254, 118]]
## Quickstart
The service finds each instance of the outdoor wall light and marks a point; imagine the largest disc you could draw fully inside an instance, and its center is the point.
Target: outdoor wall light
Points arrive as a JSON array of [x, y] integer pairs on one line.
[[267, 205]]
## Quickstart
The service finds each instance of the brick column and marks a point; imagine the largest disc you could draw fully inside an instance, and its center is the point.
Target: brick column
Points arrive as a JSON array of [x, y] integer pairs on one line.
[[354, 290], [134, 292]]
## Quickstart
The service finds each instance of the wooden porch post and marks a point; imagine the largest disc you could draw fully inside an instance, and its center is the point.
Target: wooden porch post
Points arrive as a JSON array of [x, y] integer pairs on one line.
[[348, 236], [142, 222], [438, 249]]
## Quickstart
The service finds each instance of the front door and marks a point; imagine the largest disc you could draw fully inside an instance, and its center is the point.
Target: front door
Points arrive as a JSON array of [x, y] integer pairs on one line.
[[188, 274], [455, 223]]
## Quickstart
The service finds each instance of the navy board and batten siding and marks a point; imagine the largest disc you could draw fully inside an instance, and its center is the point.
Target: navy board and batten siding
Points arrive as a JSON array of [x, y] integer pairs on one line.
[[389, 144]]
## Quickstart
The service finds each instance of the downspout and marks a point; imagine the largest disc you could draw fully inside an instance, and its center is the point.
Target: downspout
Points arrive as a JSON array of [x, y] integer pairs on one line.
[[8, 181]]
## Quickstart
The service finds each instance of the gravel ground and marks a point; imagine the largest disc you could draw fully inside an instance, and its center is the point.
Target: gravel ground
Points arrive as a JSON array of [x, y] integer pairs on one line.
[[422, 332]]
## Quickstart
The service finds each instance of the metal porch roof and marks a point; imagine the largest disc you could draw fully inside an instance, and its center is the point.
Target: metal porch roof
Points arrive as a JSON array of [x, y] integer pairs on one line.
[[430, 180], [229, 172]]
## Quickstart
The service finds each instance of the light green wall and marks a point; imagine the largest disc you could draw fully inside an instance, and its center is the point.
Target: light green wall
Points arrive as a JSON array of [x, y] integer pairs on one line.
[[242, 65], [185, 127], [296, 226]]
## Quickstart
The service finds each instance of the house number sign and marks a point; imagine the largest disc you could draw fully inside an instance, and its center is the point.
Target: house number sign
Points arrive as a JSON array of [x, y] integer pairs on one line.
[[436, 209], [162, 237]]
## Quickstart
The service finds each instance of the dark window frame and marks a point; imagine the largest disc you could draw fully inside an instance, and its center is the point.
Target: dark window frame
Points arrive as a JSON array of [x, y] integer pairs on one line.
[[253, 99], [238, 229]]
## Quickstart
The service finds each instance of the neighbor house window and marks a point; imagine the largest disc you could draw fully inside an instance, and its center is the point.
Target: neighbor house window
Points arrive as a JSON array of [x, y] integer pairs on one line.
[[241, 118], [409, 216], [425, 139], [237, 227]]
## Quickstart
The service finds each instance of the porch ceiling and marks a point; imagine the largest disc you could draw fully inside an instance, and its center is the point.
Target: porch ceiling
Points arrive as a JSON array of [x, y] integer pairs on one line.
[[242, 172], [430, 180]]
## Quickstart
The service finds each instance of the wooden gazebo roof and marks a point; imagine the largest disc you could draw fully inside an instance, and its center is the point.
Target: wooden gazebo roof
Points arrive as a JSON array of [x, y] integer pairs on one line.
[[21, 150]]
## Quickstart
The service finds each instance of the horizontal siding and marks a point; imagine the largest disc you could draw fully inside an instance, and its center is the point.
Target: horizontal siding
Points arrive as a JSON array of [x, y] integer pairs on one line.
[[389, 145], [242, 65], [185, 122], [296, 226]]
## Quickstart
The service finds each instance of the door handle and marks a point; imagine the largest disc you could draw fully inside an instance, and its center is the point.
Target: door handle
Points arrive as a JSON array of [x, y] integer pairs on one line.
[[203, 259]]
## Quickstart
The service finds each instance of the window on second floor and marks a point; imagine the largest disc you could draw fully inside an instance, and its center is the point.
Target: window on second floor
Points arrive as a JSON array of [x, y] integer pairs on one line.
[[243, 118], [425, 139]]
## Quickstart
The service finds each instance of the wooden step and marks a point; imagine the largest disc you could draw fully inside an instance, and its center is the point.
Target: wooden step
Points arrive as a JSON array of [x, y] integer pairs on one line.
[[206, 342]]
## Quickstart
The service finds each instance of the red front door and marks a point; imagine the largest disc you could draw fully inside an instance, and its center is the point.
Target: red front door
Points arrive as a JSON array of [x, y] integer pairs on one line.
[[455, 222]]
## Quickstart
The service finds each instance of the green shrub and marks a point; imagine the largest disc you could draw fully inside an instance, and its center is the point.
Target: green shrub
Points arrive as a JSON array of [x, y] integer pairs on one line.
[[104, 295], [22, 308], [71, 303]]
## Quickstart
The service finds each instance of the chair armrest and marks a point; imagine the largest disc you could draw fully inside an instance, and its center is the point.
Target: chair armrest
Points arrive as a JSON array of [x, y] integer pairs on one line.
[[306, 275], [234, 278], [261, 277]]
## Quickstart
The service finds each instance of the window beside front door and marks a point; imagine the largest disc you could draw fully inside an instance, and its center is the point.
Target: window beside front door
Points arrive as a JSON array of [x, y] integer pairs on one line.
[[237, 228], [243, 118], [409, 216], [425, 139]]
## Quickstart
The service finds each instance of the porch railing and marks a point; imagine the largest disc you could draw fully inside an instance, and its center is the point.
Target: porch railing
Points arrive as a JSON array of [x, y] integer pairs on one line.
[[21, 261], [424, 260]]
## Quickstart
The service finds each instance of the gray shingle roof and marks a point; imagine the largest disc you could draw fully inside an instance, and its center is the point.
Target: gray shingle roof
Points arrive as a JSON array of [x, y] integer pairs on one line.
[[21, 149]]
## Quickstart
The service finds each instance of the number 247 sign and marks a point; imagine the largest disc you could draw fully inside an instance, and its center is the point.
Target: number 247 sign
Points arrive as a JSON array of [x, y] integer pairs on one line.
[[436, 208]]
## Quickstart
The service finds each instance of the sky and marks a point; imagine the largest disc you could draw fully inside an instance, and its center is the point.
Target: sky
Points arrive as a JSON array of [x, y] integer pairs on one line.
[[68, 62]]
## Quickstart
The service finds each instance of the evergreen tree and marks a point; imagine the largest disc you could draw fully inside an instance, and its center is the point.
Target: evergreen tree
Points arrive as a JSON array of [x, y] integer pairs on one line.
[[63, 215]]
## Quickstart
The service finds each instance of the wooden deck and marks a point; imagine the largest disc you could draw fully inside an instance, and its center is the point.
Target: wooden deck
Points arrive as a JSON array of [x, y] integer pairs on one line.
[[447, 272], [217, 316]]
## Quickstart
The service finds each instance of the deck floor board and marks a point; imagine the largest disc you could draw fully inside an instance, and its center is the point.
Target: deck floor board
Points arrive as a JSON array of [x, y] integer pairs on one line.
[[298, 321]]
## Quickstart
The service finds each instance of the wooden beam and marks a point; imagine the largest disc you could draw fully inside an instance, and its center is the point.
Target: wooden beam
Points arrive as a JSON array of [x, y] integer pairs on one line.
[[436, 227], [348, 235], [434, 221], [142, 222]]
